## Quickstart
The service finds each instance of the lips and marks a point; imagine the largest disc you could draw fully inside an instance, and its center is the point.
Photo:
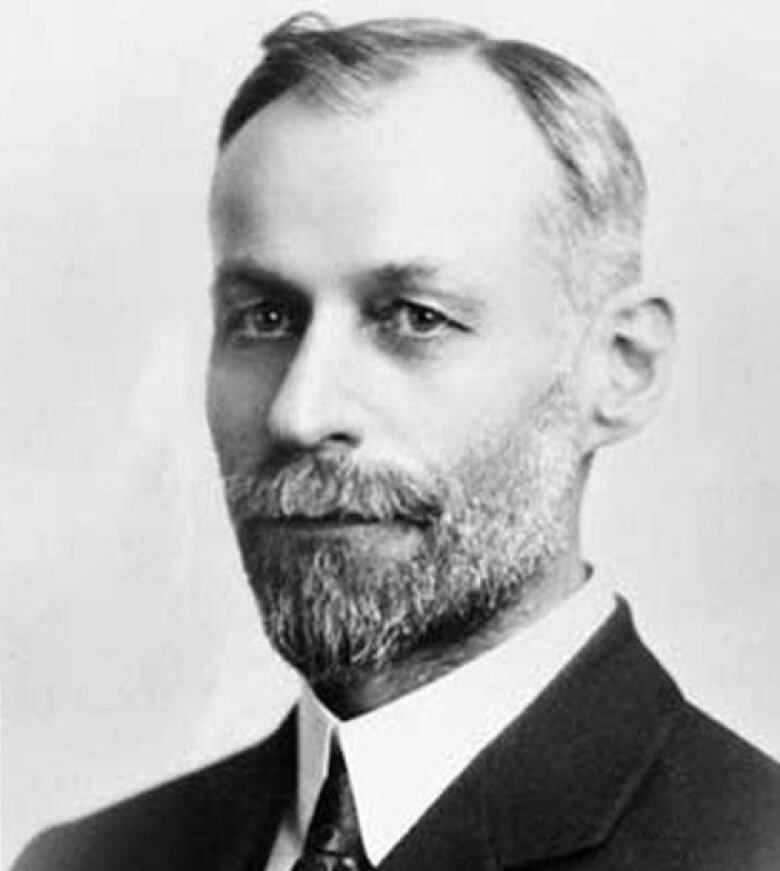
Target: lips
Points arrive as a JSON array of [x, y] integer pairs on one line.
[[344, 525], [302, 521]]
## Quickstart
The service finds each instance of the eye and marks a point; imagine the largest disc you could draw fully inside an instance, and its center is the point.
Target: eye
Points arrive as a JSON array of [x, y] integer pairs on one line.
[[264, 321], [410, 320]]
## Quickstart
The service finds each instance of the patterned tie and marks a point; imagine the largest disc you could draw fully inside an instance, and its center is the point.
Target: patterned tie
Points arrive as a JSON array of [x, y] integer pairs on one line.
[[333, 842]]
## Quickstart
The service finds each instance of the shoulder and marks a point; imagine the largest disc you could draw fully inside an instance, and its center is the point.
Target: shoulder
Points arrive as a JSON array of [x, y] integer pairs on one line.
[[710, 799], [666, 786], [727, 776], [185, 823]]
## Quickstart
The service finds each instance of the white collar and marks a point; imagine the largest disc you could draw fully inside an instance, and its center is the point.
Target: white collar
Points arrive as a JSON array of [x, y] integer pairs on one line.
[[403, 755]]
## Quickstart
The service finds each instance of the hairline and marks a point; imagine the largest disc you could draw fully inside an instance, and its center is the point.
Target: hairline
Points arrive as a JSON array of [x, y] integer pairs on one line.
[[567, 215]]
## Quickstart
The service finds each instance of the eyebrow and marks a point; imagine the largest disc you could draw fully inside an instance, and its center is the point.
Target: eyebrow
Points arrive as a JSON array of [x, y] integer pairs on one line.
[[233, 274], [421, 278], [416, 277]]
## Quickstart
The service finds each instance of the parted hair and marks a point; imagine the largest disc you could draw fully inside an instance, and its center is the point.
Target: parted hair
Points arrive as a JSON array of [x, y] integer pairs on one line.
[[600, 211]]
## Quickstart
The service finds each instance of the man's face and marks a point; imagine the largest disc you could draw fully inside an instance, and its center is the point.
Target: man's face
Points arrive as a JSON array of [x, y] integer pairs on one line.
[[387, 389]]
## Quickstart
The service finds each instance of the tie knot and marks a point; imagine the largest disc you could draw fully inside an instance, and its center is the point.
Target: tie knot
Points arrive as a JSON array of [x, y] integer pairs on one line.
[[333, 842]]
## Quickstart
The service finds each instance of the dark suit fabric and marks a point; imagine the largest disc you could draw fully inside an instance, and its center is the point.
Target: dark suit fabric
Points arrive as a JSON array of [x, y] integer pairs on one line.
[[609, 769]]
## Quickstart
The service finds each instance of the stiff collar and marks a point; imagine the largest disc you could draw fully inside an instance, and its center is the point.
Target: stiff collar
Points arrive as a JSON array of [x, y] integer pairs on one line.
[[404, 755]]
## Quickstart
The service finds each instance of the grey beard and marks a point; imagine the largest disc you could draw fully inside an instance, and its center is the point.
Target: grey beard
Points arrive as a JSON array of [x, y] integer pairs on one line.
[[336, 611]]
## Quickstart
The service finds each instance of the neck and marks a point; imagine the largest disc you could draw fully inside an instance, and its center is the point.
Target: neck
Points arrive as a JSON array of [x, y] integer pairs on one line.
[[372, 690]]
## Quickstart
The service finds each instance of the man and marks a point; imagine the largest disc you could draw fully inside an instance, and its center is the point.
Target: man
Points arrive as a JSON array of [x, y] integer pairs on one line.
[[428, 318]]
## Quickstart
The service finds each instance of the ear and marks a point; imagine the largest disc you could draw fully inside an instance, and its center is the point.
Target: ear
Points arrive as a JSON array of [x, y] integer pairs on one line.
[[627, 358]]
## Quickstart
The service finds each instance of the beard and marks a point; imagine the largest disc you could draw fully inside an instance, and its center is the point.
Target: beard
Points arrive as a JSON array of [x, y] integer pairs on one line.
[[486, 534]]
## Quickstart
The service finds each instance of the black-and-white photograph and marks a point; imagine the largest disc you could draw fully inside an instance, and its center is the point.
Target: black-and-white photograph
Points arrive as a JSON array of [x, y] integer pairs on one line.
[[389, 436]]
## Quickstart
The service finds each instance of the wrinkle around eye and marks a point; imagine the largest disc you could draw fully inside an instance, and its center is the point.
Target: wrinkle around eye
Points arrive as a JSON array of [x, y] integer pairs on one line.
[[412, 321]]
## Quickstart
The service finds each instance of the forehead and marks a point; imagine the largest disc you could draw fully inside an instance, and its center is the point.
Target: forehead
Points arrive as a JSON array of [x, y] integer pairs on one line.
[[444, 159]]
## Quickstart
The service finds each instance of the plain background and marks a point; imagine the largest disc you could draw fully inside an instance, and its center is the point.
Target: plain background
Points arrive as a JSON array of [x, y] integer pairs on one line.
[[132, 647]]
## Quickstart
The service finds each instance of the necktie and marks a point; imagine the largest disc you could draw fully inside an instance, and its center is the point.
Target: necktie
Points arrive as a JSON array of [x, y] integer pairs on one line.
[[333, 841]]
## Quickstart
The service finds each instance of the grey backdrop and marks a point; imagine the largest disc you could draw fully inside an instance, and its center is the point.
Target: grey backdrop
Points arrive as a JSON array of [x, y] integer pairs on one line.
[[132, 650]]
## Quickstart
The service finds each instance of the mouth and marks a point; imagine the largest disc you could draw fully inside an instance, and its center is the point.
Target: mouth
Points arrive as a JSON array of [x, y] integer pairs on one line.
[[344, 525]]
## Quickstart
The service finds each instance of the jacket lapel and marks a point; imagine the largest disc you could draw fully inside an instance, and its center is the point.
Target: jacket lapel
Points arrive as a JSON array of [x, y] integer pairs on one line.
[[557, 779]]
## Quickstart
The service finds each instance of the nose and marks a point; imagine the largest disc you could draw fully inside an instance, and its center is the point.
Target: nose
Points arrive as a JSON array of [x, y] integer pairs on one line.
[[317, 402]]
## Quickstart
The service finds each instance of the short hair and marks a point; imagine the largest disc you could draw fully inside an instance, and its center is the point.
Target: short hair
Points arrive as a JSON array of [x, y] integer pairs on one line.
[[604, 189]]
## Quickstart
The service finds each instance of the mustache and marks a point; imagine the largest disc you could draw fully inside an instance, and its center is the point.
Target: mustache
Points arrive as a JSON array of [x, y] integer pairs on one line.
[[332, 486]]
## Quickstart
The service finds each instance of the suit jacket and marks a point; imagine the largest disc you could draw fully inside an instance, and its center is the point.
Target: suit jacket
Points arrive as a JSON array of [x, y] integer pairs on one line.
[[610, 768]]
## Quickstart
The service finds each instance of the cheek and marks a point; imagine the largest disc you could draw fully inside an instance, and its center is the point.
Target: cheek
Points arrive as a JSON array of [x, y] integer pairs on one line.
[[237, 400], [527, 468], [505, 430], [486, 398]]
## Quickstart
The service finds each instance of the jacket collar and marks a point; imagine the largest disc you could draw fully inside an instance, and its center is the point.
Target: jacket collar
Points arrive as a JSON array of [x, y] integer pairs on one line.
[[557, 779]]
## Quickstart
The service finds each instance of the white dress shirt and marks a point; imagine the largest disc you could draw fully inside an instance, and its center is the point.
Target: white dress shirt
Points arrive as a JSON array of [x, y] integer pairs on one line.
[[403, 755]]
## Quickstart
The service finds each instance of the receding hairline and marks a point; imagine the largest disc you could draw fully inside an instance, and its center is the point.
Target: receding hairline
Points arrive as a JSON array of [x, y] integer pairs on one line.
[[603, 189], [307, 49], [427, 84], [498, 130]]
